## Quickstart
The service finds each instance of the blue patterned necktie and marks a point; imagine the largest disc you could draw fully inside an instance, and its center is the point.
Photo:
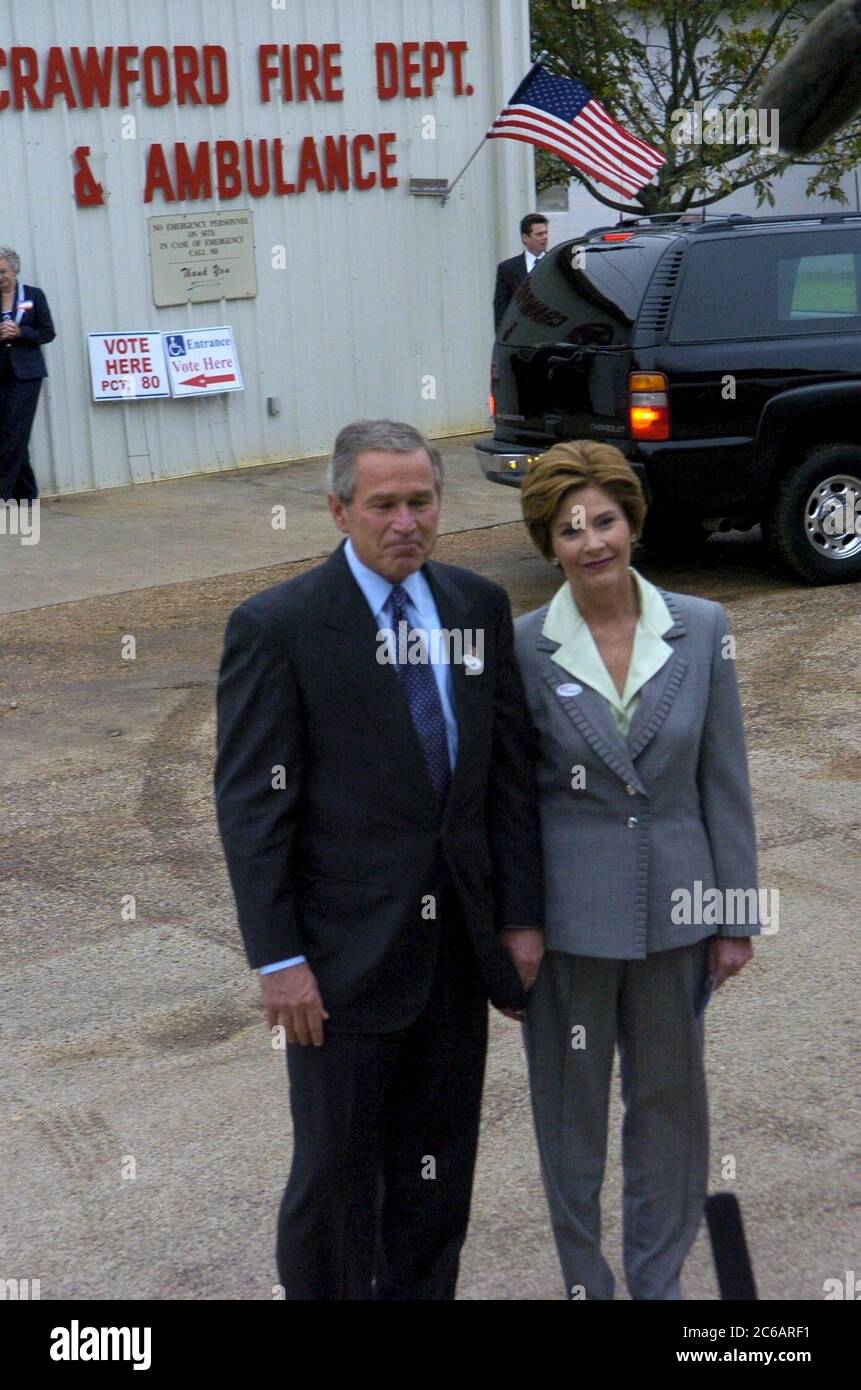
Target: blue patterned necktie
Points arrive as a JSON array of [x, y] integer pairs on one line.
[[420, 687]]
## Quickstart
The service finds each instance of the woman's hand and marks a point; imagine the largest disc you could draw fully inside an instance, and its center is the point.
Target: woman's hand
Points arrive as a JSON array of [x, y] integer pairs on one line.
[[727, 956], [525, 945]]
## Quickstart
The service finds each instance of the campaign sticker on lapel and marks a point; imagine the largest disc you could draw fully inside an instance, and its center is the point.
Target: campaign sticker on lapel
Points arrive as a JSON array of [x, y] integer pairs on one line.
[[566, 691]]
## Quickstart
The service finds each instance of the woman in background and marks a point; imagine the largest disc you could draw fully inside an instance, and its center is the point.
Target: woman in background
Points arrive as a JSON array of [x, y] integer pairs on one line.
[[644, 793], [25, 325]]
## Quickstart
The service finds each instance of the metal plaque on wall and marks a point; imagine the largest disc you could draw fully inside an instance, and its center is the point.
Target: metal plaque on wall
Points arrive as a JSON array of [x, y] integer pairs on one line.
[[196, 256]]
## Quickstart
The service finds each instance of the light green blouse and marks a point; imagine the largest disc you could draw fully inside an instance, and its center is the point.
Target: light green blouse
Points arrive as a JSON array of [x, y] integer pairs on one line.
[[579, 654]]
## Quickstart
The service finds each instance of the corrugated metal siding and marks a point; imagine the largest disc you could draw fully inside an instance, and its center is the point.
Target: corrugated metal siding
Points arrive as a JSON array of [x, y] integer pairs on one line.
[[380, 288]]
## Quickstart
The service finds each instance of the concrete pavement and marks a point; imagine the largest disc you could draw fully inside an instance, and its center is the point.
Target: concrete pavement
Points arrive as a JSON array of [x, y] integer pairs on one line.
[[167, 532]]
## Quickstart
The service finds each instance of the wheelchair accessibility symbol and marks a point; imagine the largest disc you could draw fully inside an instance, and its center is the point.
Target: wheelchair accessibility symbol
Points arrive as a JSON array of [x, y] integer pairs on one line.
[[175, 345]]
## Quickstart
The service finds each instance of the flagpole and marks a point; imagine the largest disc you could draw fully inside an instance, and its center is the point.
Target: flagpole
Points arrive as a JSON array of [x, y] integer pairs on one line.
[[512, 99], [448, 191]]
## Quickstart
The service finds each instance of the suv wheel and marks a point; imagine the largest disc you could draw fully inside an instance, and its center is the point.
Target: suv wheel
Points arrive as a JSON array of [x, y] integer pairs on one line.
[[814, 524], [669, 535]]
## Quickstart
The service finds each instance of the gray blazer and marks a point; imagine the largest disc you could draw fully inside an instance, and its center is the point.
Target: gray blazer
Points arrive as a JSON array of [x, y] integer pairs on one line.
[[660, 810]]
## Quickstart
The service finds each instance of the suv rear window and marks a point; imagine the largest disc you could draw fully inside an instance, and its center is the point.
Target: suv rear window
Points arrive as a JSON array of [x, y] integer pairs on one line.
[[769, 286], [823, 285], [596, 304]]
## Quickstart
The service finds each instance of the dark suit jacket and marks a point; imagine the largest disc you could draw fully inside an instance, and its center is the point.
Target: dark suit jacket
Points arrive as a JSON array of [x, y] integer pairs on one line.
[[336, 864], [25, 353], [509, 274]]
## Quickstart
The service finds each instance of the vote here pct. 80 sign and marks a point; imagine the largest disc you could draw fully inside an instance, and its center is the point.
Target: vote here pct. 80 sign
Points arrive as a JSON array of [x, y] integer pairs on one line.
[[128, 366]]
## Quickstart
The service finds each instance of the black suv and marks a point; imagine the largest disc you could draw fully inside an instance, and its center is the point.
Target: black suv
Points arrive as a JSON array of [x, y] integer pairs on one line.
[[723, 357]]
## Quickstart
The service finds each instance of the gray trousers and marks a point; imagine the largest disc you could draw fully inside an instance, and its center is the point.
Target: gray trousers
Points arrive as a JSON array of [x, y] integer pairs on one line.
[[580, 1009]]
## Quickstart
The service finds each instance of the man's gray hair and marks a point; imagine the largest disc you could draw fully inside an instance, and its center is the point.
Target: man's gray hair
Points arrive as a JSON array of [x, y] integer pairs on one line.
[[388, 436], [7, 254]]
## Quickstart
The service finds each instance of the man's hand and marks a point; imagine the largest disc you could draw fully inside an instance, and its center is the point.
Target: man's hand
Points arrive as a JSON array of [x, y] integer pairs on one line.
[[9, 330], [727, 956], [291, 998], [525, 945]]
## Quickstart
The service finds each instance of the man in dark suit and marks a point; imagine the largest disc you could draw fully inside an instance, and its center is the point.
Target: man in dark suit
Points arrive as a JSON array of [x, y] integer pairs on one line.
[[534, 230], [378, 813]]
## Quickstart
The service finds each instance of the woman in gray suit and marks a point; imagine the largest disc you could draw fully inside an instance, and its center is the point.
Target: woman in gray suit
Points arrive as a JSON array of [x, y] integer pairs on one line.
[[645, 808]]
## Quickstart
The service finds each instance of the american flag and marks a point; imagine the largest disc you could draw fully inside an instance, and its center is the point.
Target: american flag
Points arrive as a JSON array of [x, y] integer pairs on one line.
[[561, 115]]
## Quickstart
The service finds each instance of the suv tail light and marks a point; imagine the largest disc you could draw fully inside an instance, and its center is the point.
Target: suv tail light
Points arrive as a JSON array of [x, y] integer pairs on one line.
[[491, 400], [648, 405]]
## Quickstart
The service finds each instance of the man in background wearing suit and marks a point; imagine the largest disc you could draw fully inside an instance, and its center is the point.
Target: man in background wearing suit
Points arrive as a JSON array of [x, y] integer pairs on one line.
[[380, 826], [534, 230]]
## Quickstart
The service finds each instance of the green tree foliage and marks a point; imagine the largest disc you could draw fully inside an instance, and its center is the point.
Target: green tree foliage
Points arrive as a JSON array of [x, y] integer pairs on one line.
[[647, 60]]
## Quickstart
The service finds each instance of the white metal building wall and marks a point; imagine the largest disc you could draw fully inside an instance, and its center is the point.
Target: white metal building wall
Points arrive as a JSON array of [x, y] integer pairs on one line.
[[381, 288]]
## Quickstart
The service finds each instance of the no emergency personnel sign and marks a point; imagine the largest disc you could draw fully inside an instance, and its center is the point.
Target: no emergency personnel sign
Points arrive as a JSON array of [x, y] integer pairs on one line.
[[202, 362]]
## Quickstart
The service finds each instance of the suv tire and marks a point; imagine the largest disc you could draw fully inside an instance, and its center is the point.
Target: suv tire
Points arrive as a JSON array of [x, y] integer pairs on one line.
[[673, 536], [824, 488]]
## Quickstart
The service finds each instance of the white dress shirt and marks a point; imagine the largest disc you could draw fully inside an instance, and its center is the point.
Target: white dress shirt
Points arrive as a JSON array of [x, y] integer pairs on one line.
[[579, 654], [423, 614]]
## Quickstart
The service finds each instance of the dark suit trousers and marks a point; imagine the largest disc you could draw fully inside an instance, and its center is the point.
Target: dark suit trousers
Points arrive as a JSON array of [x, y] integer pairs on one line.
[[386, 1134], [18, 401]]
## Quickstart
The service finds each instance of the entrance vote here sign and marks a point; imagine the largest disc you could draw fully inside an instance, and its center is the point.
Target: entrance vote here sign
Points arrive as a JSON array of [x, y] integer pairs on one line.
[[127, 366], [202, 362]]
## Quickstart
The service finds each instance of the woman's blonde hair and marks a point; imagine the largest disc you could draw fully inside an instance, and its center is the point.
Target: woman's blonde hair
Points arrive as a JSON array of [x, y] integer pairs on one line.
[[582, 463]]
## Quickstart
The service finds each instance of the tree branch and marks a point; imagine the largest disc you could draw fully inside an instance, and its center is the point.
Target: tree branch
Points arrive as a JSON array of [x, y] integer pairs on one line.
[[771, 38], [599, 196], [690, 61], [673, 38]]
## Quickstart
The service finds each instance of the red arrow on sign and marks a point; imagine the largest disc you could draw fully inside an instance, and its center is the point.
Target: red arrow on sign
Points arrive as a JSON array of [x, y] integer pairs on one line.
[[204, 380]]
